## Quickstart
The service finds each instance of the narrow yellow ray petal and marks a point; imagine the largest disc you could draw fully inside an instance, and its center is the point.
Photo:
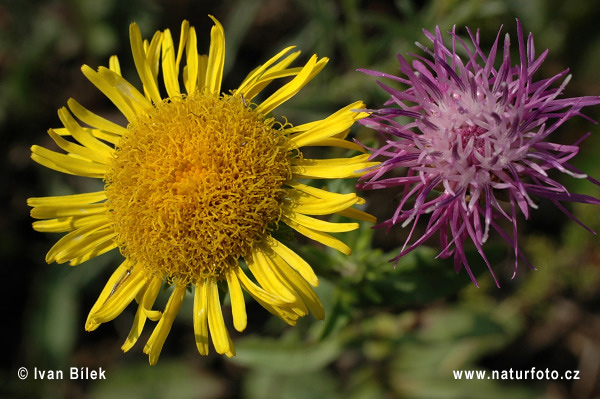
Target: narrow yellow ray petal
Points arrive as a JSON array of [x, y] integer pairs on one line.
[[98, 133], [330, 126], [358, 215], [316, 192], [298, 306], [292, 87], [156, 341], [278, 71], [201, 317], [340, 143], [66, 163], [99, 249], [321, 237], [216, 58], [150, 294], [191, 55], [294, 260], [183, 36], [92, 119], [63, 224], [57, 211], [120, 273], [72, 148], [67, 201], [260, 268], [153, 55], [137, 101], [111, 92], [331, 168], [216, 324], [121, 295], [72, 239], [317, 206], [340, 112], [246, 86], [301, 287], [238, 304], [143, 68], [358, 159], [320, 225], [170, 73], [114, 65], [257, 292], [111, 138], [88, 244], [81, 135]]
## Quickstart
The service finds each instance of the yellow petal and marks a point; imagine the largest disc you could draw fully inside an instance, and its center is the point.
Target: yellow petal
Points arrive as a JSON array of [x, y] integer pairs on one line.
[[153, 56], [114, 65], [309, 205], [170, 72], [238, 304], [321, 225], [311, 68], [72, 148], [71, 242], [156, 341], [330, 126], [191, 55], [294, 260], [333, 168], [56, 211], [93, 119], [216, 58], [67, 201], [63, 224], [280, 70], [261, 269], [201, 316], [124, 291], [111, 92], [103, 245], [246, 87], [301, 287], [259, 294], [216, 324], [150, 292], [298, 306], [81, 135], [143, 68], [121, 272], [321, 237], [358, 215], [66, 163]]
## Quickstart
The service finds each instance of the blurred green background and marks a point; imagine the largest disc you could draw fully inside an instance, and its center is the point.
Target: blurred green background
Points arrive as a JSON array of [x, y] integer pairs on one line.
[[388, 333]]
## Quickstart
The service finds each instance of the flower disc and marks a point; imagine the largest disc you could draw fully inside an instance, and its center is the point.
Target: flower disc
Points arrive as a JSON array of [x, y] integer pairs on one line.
[[195, 184]]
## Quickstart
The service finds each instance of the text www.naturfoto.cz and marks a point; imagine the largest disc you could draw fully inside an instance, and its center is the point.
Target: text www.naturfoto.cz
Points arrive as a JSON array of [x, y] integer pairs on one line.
[[530, 374]]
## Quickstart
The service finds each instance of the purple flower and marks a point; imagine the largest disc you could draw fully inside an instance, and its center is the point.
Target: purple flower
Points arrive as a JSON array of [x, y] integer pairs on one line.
[[473, 143]]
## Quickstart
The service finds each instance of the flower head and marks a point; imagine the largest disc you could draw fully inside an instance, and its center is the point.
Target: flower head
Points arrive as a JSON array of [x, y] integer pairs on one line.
[[474, 142], [194, 186]]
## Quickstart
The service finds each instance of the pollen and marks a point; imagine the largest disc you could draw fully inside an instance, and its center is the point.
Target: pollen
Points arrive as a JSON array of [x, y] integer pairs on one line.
[[195, 184]]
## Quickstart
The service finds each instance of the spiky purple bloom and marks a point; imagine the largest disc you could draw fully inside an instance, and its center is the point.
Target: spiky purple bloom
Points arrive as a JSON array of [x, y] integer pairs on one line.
[[474, 142]]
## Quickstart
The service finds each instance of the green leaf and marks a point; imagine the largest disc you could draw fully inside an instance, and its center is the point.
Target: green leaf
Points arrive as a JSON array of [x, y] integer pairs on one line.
[[285, 356]]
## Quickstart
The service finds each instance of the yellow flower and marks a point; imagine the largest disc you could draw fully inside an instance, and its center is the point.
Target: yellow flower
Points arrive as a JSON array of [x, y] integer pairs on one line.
[[194, 185]]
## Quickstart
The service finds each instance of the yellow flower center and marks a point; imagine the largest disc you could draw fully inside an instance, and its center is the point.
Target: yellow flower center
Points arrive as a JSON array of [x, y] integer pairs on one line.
[[195, 184]]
